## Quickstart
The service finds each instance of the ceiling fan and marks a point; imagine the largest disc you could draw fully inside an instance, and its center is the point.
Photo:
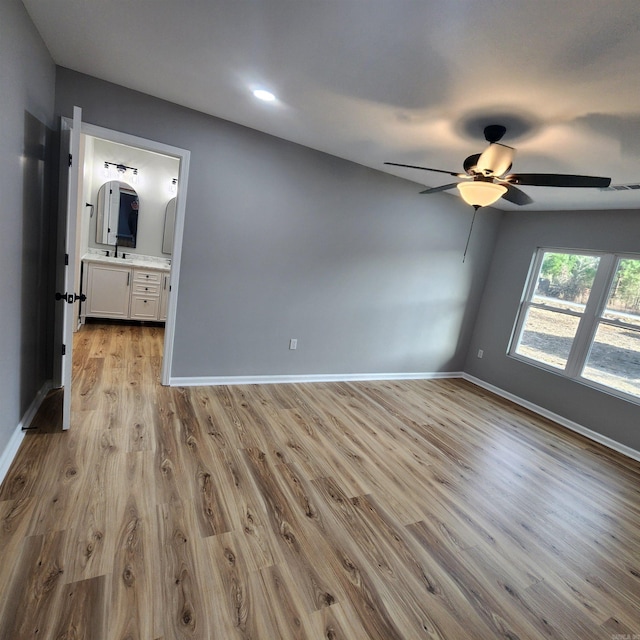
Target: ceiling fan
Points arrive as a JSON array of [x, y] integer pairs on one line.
[[484, 182]]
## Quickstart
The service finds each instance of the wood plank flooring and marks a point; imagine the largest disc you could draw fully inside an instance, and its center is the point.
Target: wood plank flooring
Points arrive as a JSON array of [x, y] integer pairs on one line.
[[382, 510]]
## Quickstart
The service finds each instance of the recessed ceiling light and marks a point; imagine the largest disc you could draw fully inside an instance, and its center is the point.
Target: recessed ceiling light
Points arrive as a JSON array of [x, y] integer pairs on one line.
[[262, 94]]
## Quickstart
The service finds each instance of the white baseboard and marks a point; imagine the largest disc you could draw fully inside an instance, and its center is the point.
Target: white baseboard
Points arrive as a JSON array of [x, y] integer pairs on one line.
[[212, 381], [569, 424], [9, 453]]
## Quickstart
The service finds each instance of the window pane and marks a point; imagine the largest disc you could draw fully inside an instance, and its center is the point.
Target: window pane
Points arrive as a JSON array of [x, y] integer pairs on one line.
[[614, 359], [624, 297], [547, 336], [565, 280]]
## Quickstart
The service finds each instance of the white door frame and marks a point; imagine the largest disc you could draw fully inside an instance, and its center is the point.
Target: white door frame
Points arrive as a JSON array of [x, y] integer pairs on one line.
[[183, 155]]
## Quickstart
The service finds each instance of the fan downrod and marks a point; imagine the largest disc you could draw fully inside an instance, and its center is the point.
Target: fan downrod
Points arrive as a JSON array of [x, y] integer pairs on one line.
[[494, 132]]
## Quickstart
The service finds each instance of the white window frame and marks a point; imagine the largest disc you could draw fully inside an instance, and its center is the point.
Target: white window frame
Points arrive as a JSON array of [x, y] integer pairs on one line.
[[590, 319]]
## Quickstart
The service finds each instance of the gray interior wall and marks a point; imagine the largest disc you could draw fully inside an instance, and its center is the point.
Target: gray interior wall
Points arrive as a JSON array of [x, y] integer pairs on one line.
[[520, 235], [27, 77], [285, 242]]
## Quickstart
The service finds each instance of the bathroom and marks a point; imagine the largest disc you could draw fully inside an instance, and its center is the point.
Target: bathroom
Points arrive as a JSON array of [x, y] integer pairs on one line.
[[127, 218]]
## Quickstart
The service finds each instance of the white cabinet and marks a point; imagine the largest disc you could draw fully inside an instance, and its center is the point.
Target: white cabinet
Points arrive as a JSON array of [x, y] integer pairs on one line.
[[108, 291], [125, 292]]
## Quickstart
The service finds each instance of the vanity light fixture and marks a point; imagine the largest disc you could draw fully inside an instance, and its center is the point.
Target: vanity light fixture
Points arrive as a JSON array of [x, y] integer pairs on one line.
[[119, 170]]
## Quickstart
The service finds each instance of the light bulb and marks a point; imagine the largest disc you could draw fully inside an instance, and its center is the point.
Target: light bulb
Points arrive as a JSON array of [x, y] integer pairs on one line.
[[264, 95]]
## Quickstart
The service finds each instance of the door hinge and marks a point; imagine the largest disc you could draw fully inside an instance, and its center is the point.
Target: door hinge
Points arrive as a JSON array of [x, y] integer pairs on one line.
[[70, 160], [66, 259], [64, 349]]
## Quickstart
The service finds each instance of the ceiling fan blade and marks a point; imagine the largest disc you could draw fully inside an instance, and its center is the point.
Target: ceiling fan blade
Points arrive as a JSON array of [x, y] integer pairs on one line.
[[557, 180], [413, 166], [515, 195], [496, 159], [443, 187]]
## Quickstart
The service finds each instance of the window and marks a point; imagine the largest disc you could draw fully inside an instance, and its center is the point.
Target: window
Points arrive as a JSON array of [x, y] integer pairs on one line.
[[580, 317]]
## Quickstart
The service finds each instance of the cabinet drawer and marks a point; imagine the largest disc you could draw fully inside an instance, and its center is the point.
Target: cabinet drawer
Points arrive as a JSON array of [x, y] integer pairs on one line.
[[145, 288], [142, 275], [144, 308]]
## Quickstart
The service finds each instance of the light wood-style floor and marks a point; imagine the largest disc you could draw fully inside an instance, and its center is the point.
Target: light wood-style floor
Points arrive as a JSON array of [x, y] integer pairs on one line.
[[386, 510]]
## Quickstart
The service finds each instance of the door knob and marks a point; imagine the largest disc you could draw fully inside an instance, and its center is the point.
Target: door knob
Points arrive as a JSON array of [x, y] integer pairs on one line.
[[70, 297]]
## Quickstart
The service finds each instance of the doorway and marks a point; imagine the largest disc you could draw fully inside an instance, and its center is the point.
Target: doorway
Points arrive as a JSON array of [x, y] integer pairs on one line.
[[161, 177], [158, 175]]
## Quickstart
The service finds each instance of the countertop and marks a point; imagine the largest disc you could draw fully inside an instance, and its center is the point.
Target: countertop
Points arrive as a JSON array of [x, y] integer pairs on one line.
[[145, 262]]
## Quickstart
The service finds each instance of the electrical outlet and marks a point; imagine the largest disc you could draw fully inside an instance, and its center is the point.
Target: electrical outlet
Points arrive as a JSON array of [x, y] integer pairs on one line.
[[293, 343], [480, 353]]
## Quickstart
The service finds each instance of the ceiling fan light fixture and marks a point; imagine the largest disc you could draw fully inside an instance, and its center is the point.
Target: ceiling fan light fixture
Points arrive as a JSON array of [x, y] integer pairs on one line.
[[480, 193]]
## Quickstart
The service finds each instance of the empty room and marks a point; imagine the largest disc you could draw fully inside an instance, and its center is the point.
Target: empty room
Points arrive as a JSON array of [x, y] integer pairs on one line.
[[320, 320]]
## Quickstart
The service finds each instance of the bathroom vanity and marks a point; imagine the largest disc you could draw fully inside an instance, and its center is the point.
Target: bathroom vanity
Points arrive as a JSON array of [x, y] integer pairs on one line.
[[125, 288]]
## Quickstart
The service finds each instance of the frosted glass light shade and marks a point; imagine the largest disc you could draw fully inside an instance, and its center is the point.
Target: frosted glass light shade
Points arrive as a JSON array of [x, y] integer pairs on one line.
[[481, 194]]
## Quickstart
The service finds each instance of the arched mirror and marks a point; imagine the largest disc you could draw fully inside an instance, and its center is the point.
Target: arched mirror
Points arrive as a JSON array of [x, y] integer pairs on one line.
[[117, 216], [169, 224]]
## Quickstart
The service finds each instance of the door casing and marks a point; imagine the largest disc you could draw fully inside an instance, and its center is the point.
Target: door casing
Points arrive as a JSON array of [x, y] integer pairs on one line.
[[71, 207]]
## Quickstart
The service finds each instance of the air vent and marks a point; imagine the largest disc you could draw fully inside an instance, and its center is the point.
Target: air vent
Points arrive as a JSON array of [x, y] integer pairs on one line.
[[622, 187]]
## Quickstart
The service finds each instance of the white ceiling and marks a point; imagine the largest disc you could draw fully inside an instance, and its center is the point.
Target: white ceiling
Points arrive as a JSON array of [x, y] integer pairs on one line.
[[410, 81]]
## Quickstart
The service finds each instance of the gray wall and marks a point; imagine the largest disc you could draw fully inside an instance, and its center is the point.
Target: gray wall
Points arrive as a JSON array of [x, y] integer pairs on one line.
[[285, 242], [520, 235], [27, 77]]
